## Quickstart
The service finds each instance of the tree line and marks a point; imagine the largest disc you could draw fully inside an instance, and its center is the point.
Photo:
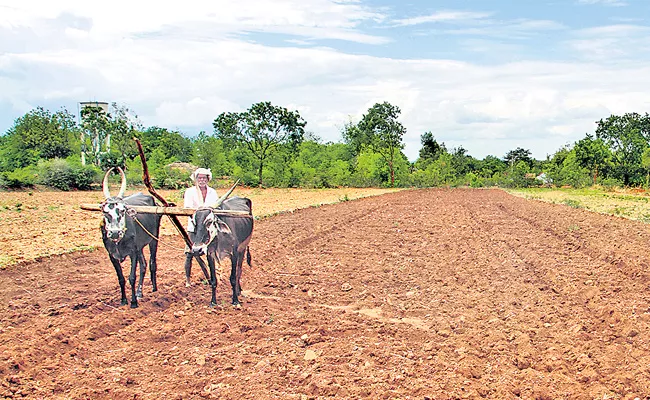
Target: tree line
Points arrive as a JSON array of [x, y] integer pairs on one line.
[[269, 146]]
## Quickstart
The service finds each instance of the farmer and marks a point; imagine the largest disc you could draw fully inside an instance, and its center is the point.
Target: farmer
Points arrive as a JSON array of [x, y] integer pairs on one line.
[[196, 196]]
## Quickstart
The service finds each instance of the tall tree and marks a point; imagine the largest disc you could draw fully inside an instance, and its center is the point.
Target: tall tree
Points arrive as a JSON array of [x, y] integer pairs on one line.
[[263, 128], [209, 152], [491, 165], [518, 154], [123, 126], [38, 134], [353, 137], [593, 154], [627, 136], [380, 130], [109, 134], [95, 123], [431, 149]]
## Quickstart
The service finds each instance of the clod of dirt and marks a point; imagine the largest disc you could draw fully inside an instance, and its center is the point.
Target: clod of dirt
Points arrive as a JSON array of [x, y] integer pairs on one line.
[[346, 287], [310, 355]]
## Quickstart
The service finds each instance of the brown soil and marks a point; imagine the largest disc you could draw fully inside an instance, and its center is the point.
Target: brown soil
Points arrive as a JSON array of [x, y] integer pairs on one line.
[[418, 294]]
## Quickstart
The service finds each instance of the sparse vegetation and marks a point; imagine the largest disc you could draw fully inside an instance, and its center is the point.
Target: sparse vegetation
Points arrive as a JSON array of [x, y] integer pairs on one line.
[[631, 203]]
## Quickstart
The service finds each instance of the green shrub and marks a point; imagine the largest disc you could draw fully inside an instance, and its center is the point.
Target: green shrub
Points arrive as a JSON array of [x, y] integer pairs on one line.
[[84, 176], [18, 178], [572, 203], [65, 175], [610, 184], [56, 173]]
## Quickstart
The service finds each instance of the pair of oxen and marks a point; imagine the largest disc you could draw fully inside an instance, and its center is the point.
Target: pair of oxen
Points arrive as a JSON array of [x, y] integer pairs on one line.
[[125, 233]]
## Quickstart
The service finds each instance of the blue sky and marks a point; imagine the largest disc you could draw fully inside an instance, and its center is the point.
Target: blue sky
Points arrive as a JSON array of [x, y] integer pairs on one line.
[[489, 76]]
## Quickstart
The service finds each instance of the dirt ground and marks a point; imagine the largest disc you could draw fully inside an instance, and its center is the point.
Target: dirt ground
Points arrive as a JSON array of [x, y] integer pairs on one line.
[[437, 294]]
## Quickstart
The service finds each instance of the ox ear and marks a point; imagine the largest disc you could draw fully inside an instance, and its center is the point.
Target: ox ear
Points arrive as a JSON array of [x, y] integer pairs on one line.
[[222, 227]]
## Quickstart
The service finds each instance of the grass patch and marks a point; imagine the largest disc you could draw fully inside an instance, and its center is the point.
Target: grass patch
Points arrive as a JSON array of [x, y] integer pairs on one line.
[[572, 203], [623, 203], [5, 261]]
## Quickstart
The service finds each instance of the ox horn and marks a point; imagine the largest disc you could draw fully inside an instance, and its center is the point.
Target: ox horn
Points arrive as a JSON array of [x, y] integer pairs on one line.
[[107, 192], [225, 196], [123, 187]]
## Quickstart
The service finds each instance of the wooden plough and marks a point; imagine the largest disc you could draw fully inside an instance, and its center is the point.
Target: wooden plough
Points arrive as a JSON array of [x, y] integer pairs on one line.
[[169, 209]]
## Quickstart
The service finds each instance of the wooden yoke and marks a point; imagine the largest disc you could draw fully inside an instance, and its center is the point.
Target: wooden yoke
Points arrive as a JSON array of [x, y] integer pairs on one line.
[[170, 210], [174, 218]]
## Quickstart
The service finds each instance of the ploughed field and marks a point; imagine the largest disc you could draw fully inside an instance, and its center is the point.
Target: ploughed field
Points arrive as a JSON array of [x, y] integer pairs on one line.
[[416, 294]]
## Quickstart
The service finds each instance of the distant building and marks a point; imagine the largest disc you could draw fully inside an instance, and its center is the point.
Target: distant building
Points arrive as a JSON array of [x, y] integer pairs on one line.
[[544, 179]]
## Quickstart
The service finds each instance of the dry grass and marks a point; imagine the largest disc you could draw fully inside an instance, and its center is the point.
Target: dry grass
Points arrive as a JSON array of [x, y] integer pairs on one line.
[[42, 223], [630, 203]]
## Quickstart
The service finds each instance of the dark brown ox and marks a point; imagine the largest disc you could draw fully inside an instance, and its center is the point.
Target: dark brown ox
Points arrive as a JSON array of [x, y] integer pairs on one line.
[[219, 236], [125, 234]]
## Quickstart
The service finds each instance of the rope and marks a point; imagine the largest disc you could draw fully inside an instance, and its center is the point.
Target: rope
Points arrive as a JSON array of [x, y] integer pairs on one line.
[[157, 239]]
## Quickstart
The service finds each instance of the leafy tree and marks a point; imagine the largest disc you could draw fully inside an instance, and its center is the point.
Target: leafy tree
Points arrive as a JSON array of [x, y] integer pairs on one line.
[[353, 137], [565, 169], [96, 126], [367, 171], [123, 126], [463, 162], [645, 162], [39, 134], [592, 154], [209, 152], [431, 149], [173, 144], [263, 128], [380, 130], [518, 154], [627, 136], [440, 172], [491, 165]]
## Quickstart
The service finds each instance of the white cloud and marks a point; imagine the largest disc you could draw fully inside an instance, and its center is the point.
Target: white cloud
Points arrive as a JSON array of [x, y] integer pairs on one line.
[[443, 16], [612, 43], [614, 3]]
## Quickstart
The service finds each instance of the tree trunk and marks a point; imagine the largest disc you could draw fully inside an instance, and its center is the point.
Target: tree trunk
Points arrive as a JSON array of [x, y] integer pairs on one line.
[[260, 173], [392, 174], [596, 175]]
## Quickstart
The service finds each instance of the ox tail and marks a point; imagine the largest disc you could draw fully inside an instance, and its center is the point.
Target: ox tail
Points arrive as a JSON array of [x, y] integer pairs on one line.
[[248, 257]]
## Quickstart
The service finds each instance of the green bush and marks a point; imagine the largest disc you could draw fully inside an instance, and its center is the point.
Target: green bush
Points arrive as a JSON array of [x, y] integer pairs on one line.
[[84, 176], [133, 171], [248, 178], [474, 180], [65, 175], [18, 178], [610, 183]]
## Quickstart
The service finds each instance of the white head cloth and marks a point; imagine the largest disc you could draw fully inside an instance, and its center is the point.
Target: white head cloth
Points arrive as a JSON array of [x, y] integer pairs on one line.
[[201, 171]]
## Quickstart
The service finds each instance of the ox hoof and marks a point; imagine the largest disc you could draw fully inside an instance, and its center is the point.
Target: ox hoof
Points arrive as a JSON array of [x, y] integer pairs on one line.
[[187, 284], [134, 304], [236, 306], [123, 302], [213, 304]]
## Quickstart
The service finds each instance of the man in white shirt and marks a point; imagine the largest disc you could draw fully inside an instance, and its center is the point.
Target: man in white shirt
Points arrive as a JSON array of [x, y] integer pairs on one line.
[[196, 196]]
